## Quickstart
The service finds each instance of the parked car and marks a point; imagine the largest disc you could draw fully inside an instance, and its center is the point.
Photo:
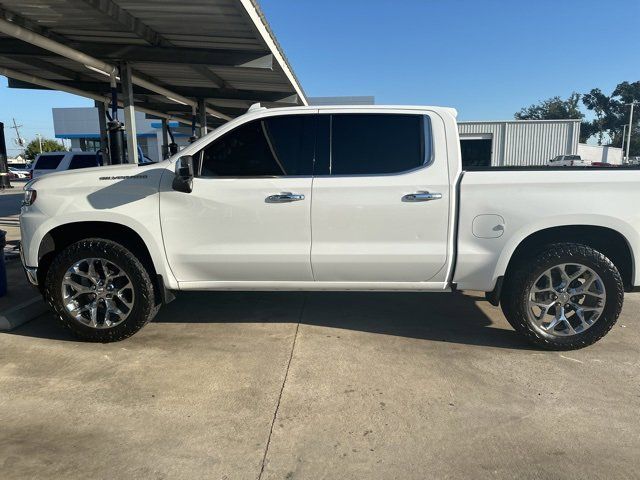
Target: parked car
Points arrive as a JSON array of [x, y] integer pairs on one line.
[[51, 162], [603, 164], [335, 198], [19, 174], [568, 161]]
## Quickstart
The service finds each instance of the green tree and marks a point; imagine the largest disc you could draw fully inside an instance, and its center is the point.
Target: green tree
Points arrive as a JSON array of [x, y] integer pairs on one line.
[[33, 147], [603, 107], [622, 95], [628, 92], [612, 114], [554, 108]]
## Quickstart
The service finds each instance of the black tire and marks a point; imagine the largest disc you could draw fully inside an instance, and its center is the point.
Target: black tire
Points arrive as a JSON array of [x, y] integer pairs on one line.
[[143, 310], [522, 275]]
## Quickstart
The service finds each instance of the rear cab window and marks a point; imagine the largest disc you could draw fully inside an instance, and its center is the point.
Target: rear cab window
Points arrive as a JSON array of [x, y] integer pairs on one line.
[[48, 162], [84, 161]]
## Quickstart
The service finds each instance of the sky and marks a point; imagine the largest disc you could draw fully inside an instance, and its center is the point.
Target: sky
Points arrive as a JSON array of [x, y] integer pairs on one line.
[[487, 58]]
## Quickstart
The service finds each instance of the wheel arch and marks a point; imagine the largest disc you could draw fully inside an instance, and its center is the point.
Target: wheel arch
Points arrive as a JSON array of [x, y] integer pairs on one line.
[[61, 236], [606, 240]]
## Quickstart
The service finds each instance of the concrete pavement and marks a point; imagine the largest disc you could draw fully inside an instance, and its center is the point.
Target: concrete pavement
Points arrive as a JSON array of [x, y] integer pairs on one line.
[[230, 385], [22, 302]]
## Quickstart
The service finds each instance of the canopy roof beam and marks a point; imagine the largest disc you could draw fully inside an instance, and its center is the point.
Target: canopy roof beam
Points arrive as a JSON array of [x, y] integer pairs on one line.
[[124, 18], [28, 24], [212, 77], [170, 70], [251, 96], [28, 36], [50, 67], [139, 53], [42, 82], [134, 25]]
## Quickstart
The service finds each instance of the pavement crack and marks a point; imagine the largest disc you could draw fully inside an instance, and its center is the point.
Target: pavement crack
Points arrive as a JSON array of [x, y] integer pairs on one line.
[[284, 382]]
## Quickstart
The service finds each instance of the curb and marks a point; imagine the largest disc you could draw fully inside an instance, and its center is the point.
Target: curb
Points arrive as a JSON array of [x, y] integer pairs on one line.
[[22, 313]]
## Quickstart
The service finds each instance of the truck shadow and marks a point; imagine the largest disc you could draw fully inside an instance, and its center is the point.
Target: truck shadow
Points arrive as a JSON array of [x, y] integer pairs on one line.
[[133, 186], [452, 318]]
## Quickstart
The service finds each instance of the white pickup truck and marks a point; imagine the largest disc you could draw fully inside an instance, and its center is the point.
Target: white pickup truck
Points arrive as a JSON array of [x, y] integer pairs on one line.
[[335, 198]]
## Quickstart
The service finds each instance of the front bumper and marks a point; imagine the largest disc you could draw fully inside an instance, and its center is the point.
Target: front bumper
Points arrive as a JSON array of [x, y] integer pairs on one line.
[[30, 272]]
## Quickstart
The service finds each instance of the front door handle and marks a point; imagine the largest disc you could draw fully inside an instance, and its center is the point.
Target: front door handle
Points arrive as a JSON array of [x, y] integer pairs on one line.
[[421, 196], [284, 197]]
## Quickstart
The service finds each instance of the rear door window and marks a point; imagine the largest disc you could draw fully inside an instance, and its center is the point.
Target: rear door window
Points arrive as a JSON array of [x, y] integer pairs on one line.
[[374, 144], [84, 161], [48, 162]]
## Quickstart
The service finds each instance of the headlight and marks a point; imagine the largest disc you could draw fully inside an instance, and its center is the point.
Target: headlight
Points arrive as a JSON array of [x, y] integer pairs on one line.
[[29, 197]]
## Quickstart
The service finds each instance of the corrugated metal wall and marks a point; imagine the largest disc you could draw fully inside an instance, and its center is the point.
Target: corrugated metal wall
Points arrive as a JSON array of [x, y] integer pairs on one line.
[[526, 142]]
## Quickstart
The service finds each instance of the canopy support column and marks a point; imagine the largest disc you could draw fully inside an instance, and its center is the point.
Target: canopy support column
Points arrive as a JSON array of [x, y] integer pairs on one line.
[[104, 138], [202, 112], [129, 113], [165, 139]]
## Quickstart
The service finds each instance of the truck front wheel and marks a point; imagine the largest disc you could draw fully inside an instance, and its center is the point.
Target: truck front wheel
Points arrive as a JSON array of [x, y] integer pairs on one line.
[[100, 291], [566, 297]]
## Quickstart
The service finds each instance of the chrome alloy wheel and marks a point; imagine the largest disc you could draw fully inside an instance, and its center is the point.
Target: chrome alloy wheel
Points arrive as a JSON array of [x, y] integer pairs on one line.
[[97, 293], [566, 300]]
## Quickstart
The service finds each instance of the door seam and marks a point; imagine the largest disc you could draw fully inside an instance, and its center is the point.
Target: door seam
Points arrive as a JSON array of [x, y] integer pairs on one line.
[[313, 275]]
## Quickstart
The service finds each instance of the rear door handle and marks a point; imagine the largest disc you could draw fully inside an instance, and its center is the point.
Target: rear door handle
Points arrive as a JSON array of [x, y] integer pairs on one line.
[[284, 197], [421, 196]]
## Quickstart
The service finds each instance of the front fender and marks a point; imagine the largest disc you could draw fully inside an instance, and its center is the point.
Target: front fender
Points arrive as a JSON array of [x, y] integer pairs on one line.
[[127, 196]]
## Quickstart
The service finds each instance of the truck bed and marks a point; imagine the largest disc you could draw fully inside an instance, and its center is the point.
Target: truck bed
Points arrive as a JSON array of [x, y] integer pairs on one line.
[[500, 207]]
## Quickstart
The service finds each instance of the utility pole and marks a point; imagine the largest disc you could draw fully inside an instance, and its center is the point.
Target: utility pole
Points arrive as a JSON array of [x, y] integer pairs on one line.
[[630, 127], [16, 127], [624, 134], [19, 139], [39, 141]]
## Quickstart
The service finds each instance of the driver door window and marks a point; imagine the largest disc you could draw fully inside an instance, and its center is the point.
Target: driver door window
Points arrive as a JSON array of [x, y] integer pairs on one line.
[[270, 147]]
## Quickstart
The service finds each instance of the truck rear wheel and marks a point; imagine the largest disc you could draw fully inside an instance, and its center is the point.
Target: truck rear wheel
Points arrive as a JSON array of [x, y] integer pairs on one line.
[[100, 291], [566, 297]]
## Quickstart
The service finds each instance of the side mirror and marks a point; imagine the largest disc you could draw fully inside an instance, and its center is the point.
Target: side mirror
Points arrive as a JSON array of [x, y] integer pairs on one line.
[[183, 180]]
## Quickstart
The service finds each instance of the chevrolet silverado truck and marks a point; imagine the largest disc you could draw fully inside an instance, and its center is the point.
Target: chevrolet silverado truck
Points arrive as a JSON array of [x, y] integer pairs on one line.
[[335, 198]]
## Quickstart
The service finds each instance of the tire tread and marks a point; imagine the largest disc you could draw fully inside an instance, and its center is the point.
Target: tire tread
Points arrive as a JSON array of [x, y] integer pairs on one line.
[[145, 297]]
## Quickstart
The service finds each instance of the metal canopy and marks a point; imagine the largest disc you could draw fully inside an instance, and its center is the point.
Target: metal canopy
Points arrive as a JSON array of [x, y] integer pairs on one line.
[[219, 51]]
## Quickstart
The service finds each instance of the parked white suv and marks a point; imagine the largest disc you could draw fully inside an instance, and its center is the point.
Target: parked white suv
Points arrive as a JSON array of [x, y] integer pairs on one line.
[[335, 198], [51, 162]]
